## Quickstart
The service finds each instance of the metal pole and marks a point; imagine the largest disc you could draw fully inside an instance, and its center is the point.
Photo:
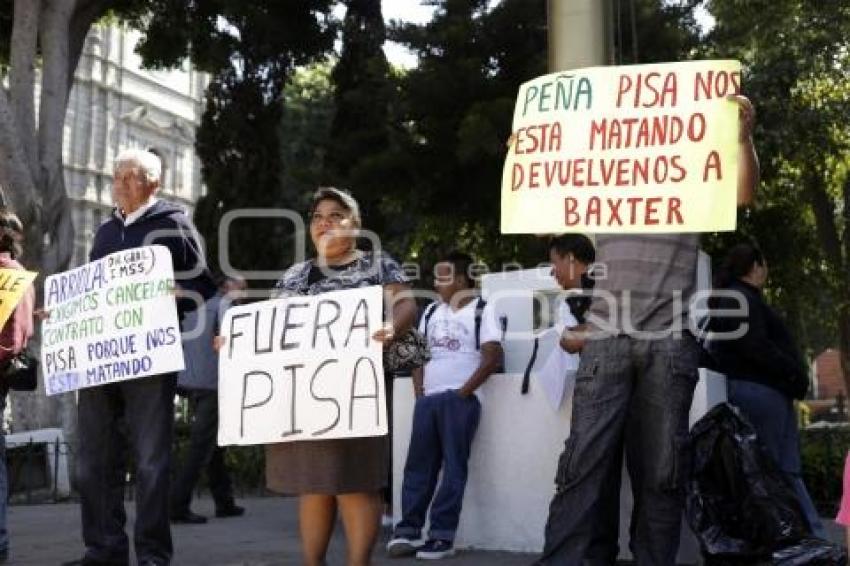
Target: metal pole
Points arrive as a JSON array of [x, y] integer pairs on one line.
[[56, 448], [580, 34], [28, 470]]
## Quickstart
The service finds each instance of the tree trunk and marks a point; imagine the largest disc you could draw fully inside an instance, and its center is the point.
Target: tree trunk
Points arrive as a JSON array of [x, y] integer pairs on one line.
[[51, 240], [18, 187], [31, 168], [844, 297], [22, 78]]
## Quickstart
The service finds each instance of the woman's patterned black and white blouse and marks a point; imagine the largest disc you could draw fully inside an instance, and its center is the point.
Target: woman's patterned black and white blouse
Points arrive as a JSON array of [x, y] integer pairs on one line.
[[368, 269]]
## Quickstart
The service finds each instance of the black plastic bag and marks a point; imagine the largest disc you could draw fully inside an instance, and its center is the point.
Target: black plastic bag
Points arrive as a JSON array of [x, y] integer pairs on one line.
[[811, 552], [739, 504]]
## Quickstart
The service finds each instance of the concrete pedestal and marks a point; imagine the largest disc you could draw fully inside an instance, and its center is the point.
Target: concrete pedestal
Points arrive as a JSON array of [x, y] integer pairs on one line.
[[513, 463], [56, 462]]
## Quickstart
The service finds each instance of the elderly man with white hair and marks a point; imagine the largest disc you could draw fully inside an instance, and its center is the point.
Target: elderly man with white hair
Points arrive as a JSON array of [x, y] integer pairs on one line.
[[146, 405]]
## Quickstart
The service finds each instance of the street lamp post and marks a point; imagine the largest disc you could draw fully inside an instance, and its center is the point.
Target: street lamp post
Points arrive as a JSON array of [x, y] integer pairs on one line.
[[579, 33]]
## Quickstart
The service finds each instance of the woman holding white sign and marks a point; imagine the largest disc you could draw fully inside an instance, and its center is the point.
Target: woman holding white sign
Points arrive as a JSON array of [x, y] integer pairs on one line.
[[339, 474]]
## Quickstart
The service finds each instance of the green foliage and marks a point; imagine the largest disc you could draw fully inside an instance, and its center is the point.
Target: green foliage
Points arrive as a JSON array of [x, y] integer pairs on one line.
[[796, 56], [458, 104], [266, 38], [457, 108], [238, 145], [666, 31], [359, 145], [308, 109], [250, 49], [125, 11], [822, 453], [6, 20], [246, 464]]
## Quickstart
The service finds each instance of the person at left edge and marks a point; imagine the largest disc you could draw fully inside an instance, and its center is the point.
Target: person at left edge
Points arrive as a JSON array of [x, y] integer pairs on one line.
[[146, 404], [14, 335]]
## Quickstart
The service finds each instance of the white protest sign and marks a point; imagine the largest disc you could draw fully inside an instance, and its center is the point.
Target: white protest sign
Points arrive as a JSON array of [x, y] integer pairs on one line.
[[302, 368], [111, 320]]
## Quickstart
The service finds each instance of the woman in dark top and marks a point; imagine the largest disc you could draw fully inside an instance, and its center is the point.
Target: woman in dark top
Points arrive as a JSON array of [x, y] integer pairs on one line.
[[340, 474], [765, 371]]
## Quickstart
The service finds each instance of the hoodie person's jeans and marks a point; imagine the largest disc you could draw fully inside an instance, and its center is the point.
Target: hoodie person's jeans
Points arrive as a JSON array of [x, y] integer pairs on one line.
[[773, 416], [202, 452]]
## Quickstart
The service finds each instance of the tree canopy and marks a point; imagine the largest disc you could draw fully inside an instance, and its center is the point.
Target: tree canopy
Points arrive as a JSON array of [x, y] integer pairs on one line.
[[250, 50], [796, 56], [422, 149]]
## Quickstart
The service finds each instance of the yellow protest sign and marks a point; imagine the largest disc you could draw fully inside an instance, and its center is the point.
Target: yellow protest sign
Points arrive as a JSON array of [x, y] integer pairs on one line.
[[629, 149], [13, 285]]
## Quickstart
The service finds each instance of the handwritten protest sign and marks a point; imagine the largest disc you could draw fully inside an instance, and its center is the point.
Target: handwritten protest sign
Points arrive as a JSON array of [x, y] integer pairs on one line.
[[13, 284], [631, 149], [302, 368], [111, 320]]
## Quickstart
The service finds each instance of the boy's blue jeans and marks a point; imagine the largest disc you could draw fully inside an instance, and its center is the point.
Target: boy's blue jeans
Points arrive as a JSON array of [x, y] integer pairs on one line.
[[444, 425]]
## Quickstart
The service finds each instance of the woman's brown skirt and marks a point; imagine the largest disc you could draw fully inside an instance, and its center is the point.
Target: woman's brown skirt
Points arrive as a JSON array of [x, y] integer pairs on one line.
[[331, 467]]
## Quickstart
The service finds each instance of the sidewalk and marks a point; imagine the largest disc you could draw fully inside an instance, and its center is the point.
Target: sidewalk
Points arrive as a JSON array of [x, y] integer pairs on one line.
[[267, 535], [47, 535]]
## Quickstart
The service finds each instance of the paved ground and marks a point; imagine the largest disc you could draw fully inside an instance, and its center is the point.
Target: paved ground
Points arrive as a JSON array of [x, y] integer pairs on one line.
[[267, 535], [46, 535]]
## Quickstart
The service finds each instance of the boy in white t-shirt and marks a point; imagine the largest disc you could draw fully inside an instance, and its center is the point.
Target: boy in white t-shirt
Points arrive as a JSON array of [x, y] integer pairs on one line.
[[463, 337]]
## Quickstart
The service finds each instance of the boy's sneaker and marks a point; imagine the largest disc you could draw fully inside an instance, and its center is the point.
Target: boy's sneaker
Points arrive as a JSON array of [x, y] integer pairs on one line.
[[403, 546], [435, 550]]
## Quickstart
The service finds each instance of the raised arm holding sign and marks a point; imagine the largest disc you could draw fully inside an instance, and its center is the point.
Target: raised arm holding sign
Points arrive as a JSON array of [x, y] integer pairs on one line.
[[682, 148]]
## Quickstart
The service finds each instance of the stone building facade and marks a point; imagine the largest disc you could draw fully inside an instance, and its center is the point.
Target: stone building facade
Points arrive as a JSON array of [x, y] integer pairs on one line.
[[115, 104]]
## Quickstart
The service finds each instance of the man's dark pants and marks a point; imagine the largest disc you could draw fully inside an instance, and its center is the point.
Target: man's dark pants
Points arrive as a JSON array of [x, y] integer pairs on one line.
[[146, 407], [636, 392], [203, 452], [604, 545]]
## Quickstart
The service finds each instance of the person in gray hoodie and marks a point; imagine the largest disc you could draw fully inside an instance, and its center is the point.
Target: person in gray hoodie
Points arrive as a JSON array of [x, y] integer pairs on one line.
[[199, 381]]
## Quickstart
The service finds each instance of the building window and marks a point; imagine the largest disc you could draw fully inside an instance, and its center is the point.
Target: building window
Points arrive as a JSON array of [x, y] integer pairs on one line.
[[103, 192], [97, 218], [178, 173]]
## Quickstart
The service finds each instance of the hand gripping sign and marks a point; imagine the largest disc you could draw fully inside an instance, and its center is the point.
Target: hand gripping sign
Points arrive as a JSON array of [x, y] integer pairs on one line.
[[630, 149], [111, 320], [302, 368]]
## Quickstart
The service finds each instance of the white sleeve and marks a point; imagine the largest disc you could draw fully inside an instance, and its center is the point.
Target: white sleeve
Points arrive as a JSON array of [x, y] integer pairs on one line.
[[491, 331], [566, 316], [429, 308]]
